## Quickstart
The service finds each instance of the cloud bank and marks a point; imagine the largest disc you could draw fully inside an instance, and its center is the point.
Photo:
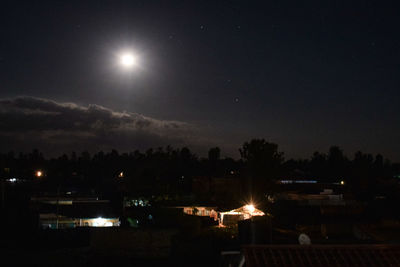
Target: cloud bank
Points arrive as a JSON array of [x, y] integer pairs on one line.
[[54, 127]]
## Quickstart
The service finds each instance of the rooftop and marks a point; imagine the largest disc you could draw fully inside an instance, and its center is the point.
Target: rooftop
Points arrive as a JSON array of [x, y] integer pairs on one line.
[[322, 255]]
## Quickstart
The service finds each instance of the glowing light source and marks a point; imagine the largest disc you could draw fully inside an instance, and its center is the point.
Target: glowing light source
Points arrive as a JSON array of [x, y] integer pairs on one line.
[[342, 182], [12, 180], [250, 208], [245, 212], [127, 60], [101, 222], [121, 175], [39, 173]]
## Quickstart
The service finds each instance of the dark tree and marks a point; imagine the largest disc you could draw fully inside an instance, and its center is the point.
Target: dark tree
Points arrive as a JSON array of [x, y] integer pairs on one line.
[[263, 162], [337, 164], [214, 154]]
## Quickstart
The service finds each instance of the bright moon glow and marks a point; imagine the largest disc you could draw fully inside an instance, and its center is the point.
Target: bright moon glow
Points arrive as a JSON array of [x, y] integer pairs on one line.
[[128, 60]]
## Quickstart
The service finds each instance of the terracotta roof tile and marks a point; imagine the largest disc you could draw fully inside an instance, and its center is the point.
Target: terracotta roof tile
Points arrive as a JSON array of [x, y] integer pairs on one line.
[[322, 255]]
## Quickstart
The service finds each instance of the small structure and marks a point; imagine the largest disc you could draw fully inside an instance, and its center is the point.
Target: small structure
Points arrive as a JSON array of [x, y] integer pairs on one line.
[[54, 221], [326, 197], [243, 213], [201, 211], [63, 212]]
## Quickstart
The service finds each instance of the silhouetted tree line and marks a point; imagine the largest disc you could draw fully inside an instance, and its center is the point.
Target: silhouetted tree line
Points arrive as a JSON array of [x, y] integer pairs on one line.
[[167, 170]]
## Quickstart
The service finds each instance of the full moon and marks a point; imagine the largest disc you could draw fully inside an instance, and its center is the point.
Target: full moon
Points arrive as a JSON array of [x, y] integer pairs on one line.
[[127, 60]]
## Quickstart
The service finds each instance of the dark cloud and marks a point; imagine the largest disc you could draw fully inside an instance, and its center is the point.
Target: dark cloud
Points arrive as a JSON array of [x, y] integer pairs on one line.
[[53, 127]]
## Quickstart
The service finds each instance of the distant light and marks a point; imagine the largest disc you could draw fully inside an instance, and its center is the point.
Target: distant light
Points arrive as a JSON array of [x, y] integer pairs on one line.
[[39, 173], [12, 180], [250, 208], [342, 182], [101, 222], [127, 60], [121, 175]]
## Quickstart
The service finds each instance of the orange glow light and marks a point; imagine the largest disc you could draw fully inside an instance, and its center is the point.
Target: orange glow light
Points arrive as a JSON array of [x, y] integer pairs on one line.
[[250, 208]]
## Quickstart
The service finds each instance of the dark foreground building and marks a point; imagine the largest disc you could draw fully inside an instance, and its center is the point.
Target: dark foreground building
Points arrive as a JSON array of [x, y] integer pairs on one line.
[[321, 255]]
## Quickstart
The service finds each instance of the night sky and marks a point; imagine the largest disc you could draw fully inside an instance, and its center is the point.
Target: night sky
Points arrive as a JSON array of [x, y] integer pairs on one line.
[[209, 73]]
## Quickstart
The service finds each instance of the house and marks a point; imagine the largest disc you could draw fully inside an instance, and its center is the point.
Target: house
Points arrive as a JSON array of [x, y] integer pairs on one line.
[[243, 213], [54, 221], [62, 212], [201, 211]]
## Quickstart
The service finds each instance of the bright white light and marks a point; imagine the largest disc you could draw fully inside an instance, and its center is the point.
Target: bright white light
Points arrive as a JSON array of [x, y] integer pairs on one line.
[[127, 60], [99, 222], [250, 208]]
